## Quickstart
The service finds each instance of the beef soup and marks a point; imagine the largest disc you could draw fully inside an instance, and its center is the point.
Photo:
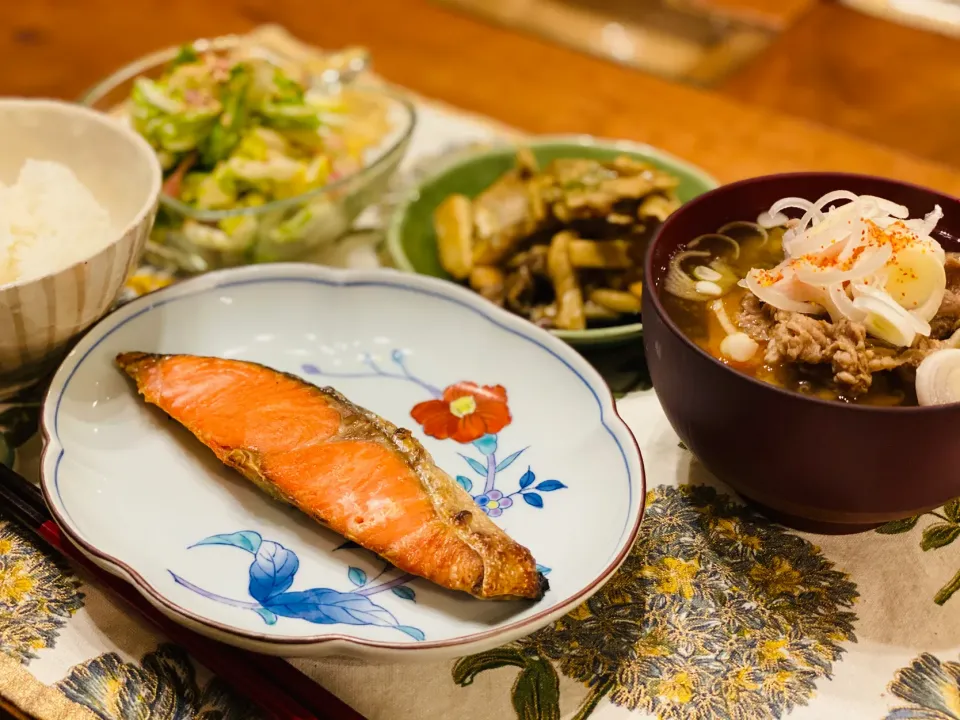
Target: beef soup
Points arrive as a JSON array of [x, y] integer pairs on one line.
[[848, 300]]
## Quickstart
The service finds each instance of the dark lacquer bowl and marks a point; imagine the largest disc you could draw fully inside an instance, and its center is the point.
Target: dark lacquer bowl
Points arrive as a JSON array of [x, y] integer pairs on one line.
[[811, 464]]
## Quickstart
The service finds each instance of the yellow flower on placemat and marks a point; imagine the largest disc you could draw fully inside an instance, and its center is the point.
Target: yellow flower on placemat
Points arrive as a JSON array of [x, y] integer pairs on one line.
[[673, 575], [716, 613], [777, 578], [932, 688], [163, 686], [38, 594]]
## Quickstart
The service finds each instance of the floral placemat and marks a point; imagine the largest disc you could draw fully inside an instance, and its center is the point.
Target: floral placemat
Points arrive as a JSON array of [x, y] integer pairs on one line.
[[717, 613]]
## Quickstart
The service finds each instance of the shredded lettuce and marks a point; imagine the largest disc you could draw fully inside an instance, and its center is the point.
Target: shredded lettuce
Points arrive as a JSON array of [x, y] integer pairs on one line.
[[243, 132]]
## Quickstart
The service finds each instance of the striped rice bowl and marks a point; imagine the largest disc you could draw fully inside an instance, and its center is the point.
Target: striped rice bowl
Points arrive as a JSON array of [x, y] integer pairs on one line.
[[54, 287]]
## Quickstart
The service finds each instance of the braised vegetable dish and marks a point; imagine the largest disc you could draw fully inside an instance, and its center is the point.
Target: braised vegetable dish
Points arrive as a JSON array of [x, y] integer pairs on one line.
[[561, 245]]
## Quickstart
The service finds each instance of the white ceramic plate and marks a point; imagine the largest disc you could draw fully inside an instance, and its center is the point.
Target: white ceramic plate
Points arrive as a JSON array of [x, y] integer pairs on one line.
[[146, 501]]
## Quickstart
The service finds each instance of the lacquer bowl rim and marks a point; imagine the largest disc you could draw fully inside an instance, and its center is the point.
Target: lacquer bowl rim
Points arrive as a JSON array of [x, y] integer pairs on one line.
[[693, 207], [329, 642]]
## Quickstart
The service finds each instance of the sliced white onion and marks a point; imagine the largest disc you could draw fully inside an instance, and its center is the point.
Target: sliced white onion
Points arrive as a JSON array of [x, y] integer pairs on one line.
[[820, 296], [768, 220], [739, 347], [702, 272], [772, 295], [921, 327], [836, 227], [885, 322], [896, 280], [843, 303], [938, 378], [930, 308], [858, 238], [818, 205], [815, 241], [889, 207], [878, 279], [790, 202], [868, 263], [788, 237], [924, 227]]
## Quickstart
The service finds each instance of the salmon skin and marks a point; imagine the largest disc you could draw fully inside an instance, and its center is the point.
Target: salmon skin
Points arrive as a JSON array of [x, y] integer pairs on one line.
[[342, 465]]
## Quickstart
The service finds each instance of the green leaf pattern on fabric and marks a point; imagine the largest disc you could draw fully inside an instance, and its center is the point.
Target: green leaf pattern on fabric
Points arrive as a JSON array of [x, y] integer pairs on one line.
[[937, 535], [716, 613]]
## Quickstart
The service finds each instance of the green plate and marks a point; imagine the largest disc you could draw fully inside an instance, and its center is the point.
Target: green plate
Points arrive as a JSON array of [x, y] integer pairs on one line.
[[412, 241]]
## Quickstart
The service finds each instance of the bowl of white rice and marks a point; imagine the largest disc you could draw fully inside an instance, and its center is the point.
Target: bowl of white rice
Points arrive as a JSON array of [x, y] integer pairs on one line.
[[78, 196]]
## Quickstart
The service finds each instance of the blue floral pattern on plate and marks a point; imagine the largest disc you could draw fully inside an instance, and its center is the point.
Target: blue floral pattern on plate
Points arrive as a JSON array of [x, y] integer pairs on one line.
[[471, 415], [272, 572]]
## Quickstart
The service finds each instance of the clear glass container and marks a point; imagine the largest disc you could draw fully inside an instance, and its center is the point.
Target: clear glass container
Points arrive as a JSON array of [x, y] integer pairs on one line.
[[185, 238]]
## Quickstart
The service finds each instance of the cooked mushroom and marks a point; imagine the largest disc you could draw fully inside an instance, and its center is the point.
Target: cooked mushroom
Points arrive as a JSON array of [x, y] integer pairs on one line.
[[659, 207], [569, 295], [562, 243], [617, 301], [519, 286], [535, 259], [502, 216], [596, 312], [489, 282], [600, 254], [453, 221]]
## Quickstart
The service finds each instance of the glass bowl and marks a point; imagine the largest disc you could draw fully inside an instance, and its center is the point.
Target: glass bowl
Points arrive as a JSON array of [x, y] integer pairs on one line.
[[190, 240]]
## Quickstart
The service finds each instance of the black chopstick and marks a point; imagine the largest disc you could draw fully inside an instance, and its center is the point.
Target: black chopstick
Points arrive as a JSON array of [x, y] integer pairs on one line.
[[271, 683]]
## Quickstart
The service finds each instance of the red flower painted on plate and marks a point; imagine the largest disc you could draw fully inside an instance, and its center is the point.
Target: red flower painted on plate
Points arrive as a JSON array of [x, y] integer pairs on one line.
[[466, 412]]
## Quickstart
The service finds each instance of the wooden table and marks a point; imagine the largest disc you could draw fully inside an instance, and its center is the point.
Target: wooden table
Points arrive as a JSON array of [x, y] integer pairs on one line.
[[877, 79], [60, 48]]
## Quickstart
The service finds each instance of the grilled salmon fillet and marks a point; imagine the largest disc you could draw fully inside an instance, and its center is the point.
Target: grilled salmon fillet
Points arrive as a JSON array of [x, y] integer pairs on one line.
[[342, 465]]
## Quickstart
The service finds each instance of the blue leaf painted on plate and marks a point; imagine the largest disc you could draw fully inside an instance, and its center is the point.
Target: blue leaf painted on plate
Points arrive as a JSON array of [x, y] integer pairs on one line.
[[533, 499], [550, 485], [272, 571], [526, 480], [327, 607], [311, 369], [465, 482], [348, 545], [357, 576], [475, 464], [543, 569], [270, 618], [508, 460], [245, 540], [412, 632], [404, 592], [487, 444]]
